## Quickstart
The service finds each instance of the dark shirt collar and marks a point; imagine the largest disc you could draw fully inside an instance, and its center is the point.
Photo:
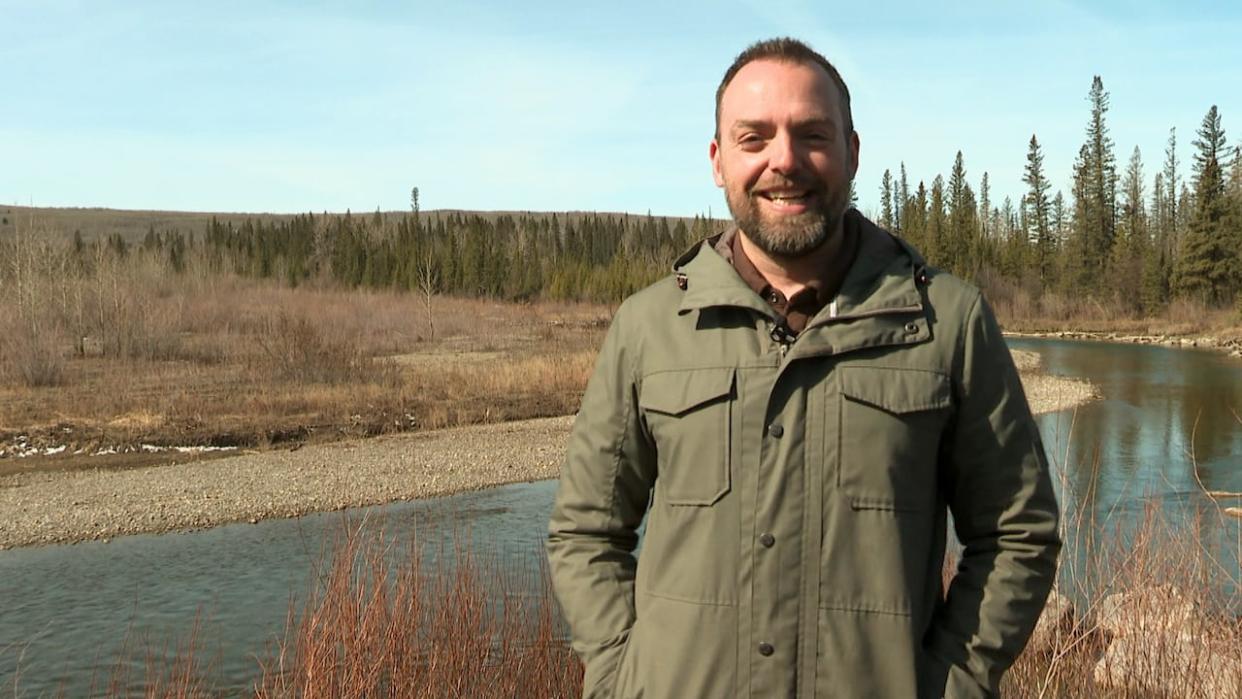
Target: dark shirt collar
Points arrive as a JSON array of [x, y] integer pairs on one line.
[[807, 302]]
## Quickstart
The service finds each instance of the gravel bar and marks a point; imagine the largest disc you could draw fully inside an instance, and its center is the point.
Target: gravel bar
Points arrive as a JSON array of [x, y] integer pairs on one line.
[[64, 506]]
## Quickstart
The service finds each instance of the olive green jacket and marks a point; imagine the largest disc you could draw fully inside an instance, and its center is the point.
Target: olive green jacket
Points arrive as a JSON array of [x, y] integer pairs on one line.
[[795, 494]]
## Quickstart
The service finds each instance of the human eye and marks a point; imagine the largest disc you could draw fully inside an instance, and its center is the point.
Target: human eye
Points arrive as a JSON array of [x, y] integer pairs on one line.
[[749, 140], [818, 136]]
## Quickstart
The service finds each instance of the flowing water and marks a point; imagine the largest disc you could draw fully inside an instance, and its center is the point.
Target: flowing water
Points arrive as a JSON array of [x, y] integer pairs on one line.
[[65, 610], [1166, 429]]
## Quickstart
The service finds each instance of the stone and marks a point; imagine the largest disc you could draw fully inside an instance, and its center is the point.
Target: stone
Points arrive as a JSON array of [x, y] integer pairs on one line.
[[1170, 665], [1161, 608]]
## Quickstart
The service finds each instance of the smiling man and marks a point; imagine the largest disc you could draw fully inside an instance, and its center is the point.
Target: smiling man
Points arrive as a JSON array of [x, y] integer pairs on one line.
[[794, 412]]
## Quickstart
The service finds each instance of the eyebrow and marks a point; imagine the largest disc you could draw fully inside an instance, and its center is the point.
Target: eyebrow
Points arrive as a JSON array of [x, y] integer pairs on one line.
[[759, 124]]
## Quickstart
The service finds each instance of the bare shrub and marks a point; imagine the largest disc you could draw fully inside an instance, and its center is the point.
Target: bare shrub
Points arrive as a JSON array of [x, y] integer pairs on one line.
[[31, 285], [179, 669], [33, 355], [1140, 613], [379, 624], [296, 349], [132, 314]]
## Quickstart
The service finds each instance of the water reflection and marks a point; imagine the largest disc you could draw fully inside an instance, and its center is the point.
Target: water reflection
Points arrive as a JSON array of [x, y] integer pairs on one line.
[[1165, 429], [65, 610]]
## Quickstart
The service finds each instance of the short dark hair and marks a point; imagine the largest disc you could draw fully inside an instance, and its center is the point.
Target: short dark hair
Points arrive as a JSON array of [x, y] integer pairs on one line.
[[791, 51]]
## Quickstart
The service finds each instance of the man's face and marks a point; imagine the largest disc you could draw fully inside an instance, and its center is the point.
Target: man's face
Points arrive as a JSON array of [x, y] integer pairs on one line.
[[782, 157]]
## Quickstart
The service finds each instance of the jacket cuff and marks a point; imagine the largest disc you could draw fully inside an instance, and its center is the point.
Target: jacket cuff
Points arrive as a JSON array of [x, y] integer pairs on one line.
[[600, 669]]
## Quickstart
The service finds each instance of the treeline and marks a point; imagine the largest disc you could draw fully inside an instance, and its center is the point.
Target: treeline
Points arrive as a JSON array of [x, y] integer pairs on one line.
[[590, 257], [1112, 240]]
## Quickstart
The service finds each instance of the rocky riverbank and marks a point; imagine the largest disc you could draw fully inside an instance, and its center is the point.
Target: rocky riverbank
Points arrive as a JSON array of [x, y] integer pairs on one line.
[[1226, 345], [73, 505]]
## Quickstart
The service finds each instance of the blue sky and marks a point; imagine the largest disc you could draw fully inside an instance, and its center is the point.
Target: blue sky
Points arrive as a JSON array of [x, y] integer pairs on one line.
[[297, 106]]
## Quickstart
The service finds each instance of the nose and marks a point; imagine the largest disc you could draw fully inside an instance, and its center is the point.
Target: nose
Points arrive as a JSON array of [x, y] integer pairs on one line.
[[783, 154]]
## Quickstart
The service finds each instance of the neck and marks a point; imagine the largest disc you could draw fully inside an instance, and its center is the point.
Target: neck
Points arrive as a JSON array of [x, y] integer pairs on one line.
[[789, 275]]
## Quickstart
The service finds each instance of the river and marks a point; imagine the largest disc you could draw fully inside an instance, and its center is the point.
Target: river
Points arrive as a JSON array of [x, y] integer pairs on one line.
[[67, 609]]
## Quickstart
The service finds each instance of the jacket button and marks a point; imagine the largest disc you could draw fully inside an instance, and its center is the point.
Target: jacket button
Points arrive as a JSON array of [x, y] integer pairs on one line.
[[766, 649], [767, 540], [912, 328], [776, 431]]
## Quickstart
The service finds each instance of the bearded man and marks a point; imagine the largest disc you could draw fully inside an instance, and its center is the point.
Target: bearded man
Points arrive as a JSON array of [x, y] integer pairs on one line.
[[794, 412]]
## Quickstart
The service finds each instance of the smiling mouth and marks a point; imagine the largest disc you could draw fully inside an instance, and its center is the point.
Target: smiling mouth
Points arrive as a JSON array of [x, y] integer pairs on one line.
[[787, 197]]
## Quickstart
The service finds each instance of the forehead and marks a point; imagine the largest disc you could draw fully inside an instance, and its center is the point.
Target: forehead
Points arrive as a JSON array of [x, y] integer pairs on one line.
[[770, 89]]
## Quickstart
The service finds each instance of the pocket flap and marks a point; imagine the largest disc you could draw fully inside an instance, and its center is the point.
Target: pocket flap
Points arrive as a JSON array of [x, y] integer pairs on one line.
[[677, 392], [897, 391]]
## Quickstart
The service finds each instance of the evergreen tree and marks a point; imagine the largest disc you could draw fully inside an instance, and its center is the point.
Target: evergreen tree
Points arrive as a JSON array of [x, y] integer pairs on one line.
[[1059, 221], [960, 242], [1130, 248], [985, 208], [1038, 214], [1168, 222], [904, 198], [937, 226], [1095, 193], [887, 218], [1207, 268]]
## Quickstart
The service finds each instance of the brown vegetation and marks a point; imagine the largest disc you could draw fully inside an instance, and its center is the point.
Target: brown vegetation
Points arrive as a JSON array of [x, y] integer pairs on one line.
[[137, 354], [1139, 614], [1018, 310], [377, 627]]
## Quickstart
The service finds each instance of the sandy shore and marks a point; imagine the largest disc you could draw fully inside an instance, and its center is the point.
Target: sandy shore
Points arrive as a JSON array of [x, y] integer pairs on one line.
[[62, 506]]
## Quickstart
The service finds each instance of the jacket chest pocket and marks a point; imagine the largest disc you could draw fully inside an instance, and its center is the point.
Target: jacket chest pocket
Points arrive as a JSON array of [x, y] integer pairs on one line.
[[891, 421], [688, 414]]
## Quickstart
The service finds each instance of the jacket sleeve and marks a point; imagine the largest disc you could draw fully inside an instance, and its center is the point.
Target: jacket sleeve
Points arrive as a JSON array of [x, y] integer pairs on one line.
[[1004, 512], [605, 484]]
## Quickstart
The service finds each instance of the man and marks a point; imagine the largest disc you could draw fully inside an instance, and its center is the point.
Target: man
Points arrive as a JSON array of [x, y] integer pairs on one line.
[[794, 411]]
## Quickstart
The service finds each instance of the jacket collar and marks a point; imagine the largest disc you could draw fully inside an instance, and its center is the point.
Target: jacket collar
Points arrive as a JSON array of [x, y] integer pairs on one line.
[[708, 280], [881, 279]]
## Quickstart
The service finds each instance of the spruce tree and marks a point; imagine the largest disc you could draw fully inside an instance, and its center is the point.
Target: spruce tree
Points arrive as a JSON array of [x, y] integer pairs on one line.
[[1130, 247], [1207, 268], [1168, 222], [886, 201], [1095, 193], [1059, 222], [1037, 208], [985, 204], [960, 242], [937, 226]]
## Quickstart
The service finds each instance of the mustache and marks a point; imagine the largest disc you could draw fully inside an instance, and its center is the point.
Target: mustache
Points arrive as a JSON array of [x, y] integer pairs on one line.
[[786, 183]]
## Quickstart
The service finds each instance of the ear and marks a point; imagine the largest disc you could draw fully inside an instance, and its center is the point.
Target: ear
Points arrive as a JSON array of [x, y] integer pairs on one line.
[[853, 154], [713, 152]]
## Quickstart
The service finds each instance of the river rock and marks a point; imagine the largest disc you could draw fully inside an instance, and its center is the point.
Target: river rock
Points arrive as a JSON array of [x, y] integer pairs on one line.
[[1158, 609], [1170, 665]]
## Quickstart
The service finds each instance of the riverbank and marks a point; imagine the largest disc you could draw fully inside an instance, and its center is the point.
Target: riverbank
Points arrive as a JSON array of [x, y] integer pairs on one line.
[[1231, 346], [82, 504]]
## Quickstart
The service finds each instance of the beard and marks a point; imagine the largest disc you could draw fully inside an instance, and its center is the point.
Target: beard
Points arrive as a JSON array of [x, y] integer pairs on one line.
[[793, 235]]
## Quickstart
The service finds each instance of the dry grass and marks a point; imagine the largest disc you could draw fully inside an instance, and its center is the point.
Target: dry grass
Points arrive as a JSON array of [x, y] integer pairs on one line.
[[1019, 311], [1145, 617], [123, 352], [382, 626]]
